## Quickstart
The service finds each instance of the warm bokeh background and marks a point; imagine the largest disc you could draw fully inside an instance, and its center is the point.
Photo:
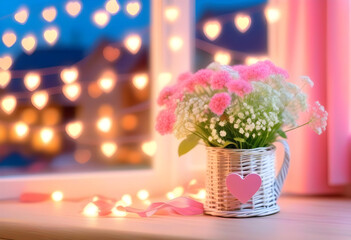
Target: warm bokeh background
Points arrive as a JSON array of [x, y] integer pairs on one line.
[[106, 45]]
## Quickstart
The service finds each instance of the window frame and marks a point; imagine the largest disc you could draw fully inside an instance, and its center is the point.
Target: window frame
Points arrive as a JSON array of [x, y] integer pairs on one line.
[[167, 170]]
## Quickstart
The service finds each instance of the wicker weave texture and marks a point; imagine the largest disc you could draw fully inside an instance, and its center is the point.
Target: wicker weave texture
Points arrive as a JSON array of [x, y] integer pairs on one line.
[[221, 162]]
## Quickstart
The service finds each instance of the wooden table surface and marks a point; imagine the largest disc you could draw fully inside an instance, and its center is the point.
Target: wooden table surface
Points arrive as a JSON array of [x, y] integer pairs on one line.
[[300, 218]]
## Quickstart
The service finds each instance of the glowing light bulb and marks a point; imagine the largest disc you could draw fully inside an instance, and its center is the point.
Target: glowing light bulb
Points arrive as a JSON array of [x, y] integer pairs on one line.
[[143, 194], [57, 196], [272, 14], [242, 22], [9, 38], [111, 54], [21, 16], [170, 195], [69, 75], [252, 60], [200, 195], [29, 43], [175, 43], [74, 129], [29, 116], [51, 35], [49, 13], [32, 81], [8, 104], [133, 8], [164, 78], [149, 148], [21, 129], [73, 8], [178, 191], [133, 43], [107, 81], [40, 99], [104, 124], [192, 182], [127, 200], [129, 122], [91, 210], [117, 212], [212, 29], [72, 91], [112, 6], [101, 18], [46, 135], [5, 77], [93, 90], [140, 81], [5, 62], [222, 57], [171, 13], [50, 116], [109, 148]]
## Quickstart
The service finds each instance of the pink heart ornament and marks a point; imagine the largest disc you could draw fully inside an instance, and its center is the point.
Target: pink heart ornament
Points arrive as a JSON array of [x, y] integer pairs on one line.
[[243, 188]]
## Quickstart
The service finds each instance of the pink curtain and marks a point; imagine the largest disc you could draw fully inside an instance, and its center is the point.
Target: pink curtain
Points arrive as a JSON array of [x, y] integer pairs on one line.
[[316, 42]]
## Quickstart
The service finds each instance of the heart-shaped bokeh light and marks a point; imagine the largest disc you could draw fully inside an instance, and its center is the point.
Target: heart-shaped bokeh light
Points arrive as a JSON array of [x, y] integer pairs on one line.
[[9, 38], [49, 13], [73, 8]]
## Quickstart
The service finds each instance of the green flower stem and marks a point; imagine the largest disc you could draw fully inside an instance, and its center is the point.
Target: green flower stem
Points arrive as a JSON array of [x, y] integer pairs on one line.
[[297, 127]]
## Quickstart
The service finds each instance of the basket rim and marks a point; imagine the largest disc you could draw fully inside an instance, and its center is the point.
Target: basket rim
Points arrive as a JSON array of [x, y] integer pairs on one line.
[[260, 149]]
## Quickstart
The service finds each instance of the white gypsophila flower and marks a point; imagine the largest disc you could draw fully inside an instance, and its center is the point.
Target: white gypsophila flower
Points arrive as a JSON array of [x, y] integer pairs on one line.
[[318, 119], [223, 133], [222, 123], [241, 131], [247, 135], [307, 80]]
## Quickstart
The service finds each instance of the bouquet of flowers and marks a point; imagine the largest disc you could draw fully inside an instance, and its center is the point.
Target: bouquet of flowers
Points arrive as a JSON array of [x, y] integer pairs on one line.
[[239, 107]]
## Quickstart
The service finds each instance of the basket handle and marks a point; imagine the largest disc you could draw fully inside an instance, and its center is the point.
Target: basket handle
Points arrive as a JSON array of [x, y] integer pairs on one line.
[[279, 181]]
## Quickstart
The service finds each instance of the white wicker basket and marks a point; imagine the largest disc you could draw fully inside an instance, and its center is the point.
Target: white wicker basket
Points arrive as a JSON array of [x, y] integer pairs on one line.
[[221, 162]]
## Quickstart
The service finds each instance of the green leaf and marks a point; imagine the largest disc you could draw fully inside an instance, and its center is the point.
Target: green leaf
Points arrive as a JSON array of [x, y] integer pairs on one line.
[[282, 133], [227, 143], [187, 144], [239, 139]]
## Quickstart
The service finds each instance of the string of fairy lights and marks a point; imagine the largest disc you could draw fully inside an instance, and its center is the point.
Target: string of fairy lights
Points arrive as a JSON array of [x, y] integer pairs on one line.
[[72, 88]]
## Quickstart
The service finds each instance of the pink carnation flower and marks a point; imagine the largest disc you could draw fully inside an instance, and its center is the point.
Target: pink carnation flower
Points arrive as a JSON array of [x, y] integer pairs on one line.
[[165, 95], [259, 71], [165, 121], [219, 102], [201, 77], [239, 87], [220, 79]]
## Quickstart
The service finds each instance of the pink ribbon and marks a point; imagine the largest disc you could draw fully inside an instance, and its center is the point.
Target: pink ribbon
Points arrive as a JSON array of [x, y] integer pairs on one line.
[[182, 205]]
